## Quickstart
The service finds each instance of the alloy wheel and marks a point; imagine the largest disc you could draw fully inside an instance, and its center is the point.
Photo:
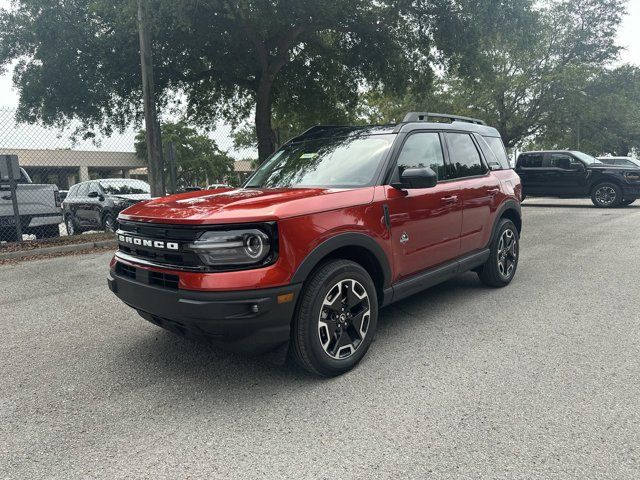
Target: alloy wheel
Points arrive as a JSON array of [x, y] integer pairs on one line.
[[70, 227], [605, 195], [507, 253], [344, 319]]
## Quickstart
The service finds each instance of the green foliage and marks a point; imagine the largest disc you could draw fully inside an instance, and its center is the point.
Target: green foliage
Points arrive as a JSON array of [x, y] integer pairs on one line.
[[305, 60], [198, 159]]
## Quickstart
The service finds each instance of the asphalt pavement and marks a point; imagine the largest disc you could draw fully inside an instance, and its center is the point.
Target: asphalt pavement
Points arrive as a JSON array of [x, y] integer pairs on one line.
[[537, 380]]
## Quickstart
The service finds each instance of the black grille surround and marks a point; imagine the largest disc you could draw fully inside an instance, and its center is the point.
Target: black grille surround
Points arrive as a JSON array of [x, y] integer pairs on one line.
[[137, 241]]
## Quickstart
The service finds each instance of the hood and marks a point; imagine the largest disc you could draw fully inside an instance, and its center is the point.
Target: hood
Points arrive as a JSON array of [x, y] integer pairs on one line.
[[244, 205], [616, 168], [134, 197]]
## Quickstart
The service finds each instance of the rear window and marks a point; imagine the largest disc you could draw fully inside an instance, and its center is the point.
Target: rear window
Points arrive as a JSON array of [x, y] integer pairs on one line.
[[530, 160]]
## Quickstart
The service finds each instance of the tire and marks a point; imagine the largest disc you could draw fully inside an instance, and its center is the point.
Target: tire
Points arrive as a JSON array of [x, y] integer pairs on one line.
[[47, 231], [8, 234], [109, 224], [606, 195], [500, 268], [72, 226], [628, 201], [327, 338]]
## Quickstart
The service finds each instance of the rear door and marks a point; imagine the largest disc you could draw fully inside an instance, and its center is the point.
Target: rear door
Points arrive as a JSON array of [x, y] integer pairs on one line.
[[479, 190], [529, 168], [425, 222], [81, 205]]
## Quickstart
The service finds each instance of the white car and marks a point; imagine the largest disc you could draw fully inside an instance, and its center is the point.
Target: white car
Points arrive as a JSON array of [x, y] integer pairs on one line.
[[39, 208]]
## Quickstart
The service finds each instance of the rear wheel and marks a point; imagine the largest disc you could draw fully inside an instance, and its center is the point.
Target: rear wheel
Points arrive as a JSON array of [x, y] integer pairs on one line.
[[500, 268], [72, 226], [606, 195], [336, 319]]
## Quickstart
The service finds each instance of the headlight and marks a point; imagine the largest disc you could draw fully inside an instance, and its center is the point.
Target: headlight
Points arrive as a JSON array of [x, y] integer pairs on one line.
[[632, 176], [233, 247]]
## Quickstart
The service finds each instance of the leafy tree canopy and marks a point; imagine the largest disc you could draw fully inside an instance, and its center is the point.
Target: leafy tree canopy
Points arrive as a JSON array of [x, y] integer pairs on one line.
[[79, 59]]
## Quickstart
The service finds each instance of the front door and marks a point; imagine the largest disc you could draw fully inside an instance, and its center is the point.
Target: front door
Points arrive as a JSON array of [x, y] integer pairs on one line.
[[564, 175], [425, 222]]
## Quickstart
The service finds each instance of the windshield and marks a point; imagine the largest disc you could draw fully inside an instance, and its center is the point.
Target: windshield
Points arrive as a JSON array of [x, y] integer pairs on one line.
[[338, 162], [588, 159], [121, 186]]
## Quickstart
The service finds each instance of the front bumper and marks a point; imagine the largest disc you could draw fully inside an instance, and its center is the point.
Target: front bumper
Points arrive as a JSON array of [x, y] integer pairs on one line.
[[251, 322], [631, 191]]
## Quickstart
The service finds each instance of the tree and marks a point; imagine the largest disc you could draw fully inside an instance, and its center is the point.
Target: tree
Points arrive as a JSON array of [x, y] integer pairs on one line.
[[198, 159], [600, 117], [523, 61], [79, 59]]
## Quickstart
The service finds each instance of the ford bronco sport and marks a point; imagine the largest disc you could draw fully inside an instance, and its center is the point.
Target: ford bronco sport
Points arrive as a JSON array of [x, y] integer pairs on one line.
[[571, 174], [336, 224]]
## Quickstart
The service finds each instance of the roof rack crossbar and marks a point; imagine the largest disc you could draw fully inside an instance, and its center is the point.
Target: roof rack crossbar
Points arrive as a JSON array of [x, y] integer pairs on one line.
[[425, 116]]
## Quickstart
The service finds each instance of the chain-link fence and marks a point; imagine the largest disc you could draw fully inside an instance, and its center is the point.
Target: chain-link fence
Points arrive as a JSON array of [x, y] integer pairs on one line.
[[52, 187]]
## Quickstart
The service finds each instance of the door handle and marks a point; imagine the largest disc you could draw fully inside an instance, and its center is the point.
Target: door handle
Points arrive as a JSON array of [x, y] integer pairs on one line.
[[449, 200], [7, 197]]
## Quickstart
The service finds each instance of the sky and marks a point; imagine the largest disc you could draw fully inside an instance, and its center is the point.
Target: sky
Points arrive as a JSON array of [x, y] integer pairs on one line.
[[628, 37]]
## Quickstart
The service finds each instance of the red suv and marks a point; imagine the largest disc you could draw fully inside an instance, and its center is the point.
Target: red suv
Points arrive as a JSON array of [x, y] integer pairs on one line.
[[336, 224]]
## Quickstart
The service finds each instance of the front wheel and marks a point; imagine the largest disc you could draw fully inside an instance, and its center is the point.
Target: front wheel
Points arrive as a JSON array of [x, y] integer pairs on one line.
[[500, 268], [108, 223], [335, 320], [606, 195]]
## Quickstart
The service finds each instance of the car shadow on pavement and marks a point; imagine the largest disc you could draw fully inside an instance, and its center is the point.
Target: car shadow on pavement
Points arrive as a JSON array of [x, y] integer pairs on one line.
[[170, 358], [569, 205]]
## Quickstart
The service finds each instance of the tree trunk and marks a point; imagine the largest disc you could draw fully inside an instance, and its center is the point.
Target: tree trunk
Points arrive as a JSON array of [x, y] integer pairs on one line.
[[154, 140], [264, 132]]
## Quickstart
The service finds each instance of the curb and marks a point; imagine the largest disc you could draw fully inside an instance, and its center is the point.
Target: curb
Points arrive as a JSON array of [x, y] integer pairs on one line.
[[76, 247]]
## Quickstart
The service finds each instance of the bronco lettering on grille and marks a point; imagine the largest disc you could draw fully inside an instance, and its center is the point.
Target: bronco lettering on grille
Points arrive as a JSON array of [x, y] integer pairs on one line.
[[148, 243]]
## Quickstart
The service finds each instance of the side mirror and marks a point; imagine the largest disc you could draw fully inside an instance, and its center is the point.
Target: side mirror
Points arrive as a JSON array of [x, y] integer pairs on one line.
[[93, 195], [417, 178]]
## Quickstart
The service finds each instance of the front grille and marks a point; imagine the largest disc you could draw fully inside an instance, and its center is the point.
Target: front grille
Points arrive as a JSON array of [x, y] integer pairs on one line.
[[163, 280], [148, 277], [126, 270], [181, 236]]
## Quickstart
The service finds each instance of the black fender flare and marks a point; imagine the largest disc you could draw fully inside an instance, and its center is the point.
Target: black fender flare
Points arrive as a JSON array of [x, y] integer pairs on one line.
[[604, 178], [509, 204], [349, 239]]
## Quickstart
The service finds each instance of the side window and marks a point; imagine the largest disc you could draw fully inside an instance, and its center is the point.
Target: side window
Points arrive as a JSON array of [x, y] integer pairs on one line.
[[558, 160], [531, 160], [422, 150], [464, 155], [83, 190], [93, 187], [497, 147]]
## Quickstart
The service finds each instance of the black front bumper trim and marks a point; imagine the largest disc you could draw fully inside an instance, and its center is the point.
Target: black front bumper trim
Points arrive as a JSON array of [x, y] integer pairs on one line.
[[247, 321]]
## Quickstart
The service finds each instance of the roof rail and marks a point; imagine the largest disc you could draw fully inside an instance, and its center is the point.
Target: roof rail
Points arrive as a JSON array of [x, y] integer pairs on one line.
[[426, 116]]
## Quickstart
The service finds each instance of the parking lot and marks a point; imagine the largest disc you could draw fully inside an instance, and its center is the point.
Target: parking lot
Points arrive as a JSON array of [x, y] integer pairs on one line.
[[537, 380]]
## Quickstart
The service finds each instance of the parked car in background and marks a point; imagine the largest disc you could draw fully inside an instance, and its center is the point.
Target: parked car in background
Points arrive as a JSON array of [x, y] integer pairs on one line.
[[95, 205], [39, 207], [622, 161], [572, 174], [63, 194], [336, 224]]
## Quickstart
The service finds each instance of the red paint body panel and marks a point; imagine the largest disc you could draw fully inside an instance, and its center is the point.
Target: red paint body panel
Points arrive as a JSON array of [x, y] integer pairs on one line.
[[442, 223]]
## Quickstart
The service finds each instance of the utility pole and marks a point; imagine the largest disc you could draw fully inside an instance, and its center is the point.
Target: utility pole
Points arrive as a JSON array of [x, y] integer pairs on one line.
[[154, 140]]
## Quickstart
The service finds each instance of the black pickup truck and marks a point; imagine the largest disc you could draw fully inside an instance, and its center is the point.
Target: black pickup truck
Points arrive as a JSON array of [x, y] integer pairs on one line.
[[572, 174]]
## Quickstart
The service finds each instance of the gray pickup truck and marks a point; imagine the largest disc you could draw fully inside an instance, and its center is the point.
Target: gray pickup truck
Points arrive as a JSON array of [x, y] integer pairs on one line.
[[39, 207]]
